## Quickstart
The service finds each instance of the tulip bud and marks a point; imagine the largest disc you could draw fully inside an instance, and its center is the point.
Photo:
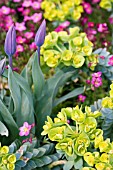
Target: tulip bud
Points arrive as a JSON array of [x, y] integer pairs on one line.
[[2, 65], [10, 43], [40, 37]]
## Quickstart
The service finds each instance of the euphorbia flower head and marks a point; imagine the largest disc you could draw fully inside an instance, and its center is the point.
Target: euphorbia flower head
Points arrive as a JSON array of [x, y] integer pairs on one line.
[[40, 35], [10, 41], [2, 65]]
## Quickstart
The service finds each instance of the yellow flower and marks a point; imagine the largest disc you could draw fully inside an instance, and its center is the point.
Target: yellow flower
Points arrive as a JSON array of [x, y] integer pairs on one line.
[[78, 61], [106, 4], [100, 166], [87, 50], [4, 150], [104, 158], [12, 159], [77, 40], [89, 158], [10, 166], [67, 55], [76, 15]]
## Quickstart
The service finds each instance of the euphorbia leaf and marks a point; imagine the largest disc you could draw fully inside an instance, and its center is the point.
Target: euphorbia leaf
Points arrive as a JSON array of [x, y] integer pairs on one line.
[[3, 130]]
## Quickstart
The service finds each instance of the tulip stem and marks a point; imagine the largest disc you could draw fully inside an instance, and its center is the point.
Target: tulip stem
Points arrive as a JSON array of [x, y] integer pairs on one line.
[[10, 62], [38, 50]]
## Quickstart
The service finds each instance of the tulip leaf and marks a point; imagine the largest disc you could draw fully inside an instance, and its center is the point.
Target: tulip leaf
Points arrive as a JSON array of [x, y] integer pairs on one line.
[[27, 108], [9, 121], [45, 105], [71, 94], [3, 130], [38, 77], [15, 94]]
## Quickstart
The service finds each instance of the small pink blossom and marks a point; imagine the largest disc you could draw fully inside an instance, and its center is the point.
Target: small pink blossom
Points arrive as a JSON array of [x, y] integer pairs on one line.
[[25, 129], [16, 0], [91, 24], [20, 26], [97, 74], [95, 1], [19, 48], [96, 82], [65, 24], [20, 40], [110, 62], [29, 35], [81, 98], [33, 46], [88, 81], [102, 57], [26, 3], [25, 12], [35, 5], [20, 9], [102, 27], [87, 7], [36, 17], [5, 10], [27, 18]]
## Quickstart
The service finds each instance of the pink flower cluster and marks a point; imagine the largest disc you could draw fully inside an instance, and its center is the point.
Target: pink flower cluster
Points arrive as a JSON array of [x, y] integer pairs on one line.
[[96, 80], [62, 26], [110, 62], [81, 98], [29, 16]]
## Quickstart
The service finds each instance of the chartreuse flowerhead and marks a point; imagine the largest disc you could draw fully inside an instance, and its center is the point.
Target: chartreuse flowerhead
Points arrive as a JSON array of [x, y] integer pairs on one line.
[[72, 49], [107, 102], [106, 4], [75, 133], [10, 43], [7, 160], [62, 10]]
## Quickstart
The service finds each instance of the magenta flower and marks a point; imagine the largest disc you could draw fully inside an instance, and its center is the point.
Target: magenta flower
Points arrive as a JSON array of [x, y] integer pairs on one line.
[[36, 17], [25, 129], [97, 74], [35, 5], [88, 81], [26, 3], [33, 46], [20, 26], [87, 7], [20, 40], [29, 35], [5, 10], [97, 82], [19, 48], [95, 1], [81, 98], [16, 0], [110, 62], [102, 27]]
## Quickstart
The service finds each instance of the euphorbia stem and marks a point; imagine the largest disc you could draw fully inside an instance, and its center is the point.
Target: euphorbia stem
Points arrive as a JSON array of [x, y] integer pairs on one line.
[[56, 163], [38, 50]]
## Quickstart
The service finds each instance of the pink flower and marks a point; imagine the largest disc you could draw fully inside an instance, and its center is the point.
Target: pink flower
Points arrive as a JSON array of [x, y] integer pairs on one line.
[[90, 24], [81, 98], [27, 18], [26, 3], [110, 62], [19, 48], [33, 46], [102, 27], [97, 74], [20, 9], [5, 10], [58, 29], [25, 12], [65, 24], [88, 81], [25, 129], [35, 5], [87, 7], [20, 26], [16, 0], [97, 82], [95, 1], [20, 40], [29, 35], [102, 57], [36, 17]]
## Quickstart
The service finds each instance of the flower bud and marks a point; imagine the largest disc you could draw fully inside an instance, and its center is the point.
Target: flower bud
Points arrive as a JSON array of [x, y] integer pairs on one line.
[[10, 41], [40, 35]]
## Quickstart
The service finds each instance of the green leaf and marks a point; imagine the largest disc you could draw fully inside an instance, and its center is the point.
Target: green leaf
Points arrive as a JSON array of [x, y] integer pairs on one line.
[[3, 130], [9, 121], [15, 94], [71, 94], [78, 163], [38, 77], [68, 165]]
